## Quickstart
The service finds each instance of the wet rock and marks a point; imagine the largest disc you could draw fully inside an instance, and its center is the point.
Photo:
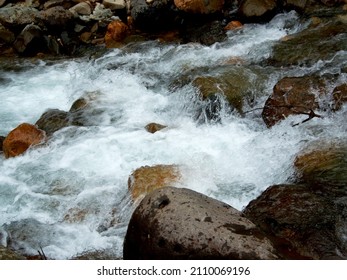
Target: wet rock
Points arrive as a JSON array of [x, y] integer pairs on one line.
[[8, 254], [148, 178], [53, 120], [313, 44], [199, 6], [323, 167], [18, 16], [22, 138], [2, 2], [258, 10], [339, 97], [301, 223], [174, 223], [293, 96], [154, 127], [30, 41], [116, 33]]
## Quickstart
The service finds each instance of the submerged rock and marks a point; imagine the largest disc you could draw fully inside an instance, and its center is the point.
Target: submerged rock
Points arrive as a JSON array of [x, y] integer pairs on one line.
[[174, 223], [22, 138], [148, 178], [301, 223]]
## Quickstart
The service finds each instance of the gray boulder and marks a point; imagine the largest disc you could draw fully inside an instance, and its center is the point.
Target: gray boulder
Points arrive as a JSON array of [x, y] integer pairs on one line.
[[178, 223]]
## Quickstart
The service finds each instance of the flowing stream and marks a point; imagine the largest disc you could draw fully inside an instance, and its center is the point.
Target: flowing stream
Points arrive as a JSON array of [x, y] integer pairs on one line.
[[70, 196]]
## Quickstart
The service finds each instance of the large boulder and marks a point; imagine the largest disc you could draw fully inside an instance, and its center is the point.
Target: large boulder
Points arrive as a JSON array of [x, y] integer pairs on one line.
[[21, 138], [178, 223], [199, 6], [293, 96], [148, 178], [301, 223]]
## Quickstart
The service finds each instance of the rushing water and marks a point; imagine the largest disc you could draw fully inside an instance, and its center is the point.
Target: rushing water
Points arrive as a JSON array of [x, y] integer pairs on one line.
[[70, 196]]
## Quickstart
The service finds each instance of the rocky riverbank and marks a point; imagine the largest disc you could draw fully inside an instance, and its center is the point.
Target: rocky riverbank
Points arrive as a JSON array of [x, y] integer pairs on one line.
[[60, 27]]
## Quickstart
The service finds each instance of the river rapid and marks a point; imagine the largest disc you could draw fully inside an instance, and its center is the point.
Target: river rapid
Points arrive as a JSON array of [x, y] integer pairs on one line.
[[70, 196]]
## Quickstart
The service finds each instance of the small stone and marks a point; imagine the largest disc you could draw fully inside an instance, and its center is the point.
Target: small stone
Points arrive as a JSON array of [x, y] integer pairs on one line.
[[83, 8], [116, 33], [154, 127], [233, 25]]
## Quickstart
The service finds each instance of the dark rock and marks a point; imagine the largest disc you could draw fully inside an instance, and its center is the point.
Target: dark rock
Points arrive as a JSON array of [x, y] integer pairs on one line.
[[2, 138], [6, 36], [173, 223], [206, 33], [301, 223], [30, 41], [153, 16], [293, 96], [53, 120]]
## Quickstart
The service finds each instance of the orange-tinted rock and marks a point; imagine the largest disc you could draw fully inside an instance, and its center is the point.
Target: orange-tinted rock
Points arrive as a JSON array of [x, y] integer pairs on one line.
[[148, 178], [21, 138], [116, 33], [233, 25], [199, 6]]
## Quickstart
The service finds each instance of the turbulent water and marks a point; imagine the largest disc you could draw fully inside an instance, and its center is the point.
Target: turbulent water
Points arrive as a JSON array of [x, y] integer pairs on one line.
[[70, 196]]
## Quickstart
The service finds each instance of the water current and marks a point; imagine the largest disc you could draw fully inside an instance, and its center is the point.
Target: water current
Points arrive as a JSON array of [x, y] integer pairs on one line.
[[84, 170]]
